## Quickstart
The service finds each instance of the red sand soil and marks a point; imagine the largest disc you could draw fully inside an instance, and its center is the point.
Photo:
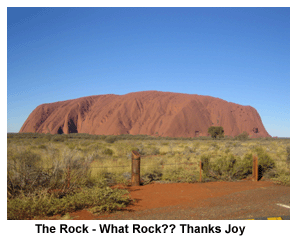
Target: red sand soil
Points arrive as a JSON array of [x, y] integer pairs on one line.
[[214, 200], [148, 112]]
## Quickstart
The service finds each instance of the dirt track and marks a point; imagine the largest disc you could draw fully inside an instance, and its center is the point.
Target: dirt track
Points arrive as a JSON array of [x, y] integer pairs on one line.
[[202, 201]]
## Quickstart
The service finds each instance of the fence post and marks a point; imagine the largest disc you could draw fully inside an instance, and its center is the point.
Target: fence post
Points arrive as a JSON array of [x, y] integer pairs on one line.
[[135, 168], [255, 171]]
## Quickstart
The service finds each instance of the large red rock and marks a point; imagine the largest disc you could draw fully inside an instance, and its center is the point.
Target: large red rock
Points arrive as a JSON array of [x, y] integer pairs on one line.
[[147, 112]]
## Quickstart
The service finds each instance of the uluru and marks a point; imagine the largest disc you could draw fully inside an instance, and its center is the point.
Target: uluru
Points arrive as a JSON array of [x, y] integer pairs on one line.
[[148, 113]]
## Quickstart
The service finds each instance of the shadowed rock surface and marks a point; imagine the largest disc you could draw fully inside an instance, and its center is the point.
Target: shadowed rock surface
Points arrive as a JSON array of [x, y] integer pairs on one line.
[[148, 113]]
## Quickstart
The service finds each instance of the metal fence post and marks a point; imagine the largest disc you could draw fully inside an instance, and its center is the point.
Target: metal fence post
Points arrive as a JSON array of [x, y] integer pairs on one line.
[[135, 168], [255, 171]]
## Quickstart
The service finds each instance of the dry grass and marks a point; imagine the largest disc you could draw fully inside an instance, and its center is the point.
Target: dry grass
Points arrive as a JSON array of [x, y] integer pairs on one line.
[[38, 163], [111, 157]]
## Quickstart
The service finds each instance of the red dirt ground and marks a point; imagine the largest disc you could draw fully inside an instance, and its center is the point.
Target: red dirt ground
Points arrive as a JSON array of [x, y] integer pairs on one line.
[[214, 200]]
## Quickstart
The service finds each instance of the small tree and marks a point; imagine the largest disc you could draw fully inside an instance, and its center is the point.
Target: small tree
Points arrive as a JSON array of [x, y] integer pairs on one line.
[[215, 131]]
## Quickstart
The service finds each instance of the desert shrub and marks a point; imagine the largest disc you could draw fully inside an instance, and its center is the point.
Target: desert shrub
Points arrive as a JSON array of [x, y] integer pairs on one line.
[[152, 175], [189, 149], [111, 178], [70, 171], [271, 173], [223, 168], [216, 131], [127, 175], [42, 146], [153, 151], [205, 159], [288, 154], [98, 198], [243, 136], [243, 167], [27, 172], [24, 172], [215, 145], [85, 143], [282, 177], [110, 139], [59, 138], [46, 137], [264, 160], [180, 174], [171, 175], [108, 151], [227, 167], [71, 145], [281, 172]]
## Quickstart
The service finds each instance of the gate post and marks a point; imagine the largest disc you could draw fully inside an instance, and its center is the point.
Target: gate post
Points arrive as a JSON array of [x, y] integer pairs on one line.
[[255, 171], [135, 168]]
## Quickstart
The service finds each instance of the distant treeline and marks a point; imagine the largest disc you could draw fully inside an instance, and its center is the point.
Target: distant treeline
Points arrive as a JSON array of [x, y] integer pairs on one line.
[[113, 138]]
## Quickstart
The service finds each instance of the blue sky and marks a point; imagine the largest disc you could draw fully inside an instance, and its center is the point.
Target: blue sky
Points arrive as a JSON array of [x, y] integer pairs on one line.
[[241, 55]]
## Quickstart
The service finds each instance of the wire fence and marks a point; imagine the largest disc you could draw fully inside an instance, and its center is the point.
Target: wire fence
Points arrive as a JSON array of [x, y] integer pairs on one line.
[[185, 170], [148, 165], [75, 174]]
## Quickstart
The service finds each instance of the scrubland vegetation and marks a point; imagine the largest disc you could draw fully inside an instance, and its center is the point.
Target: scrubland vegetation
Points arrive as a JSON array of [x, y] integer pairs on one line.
[[56, 174]]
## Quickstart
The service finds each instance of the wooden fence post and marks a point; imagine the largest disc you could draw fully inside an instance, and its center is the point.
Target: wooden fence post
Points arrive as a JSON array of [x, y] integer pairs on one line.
[[135, 168], [255, 171]]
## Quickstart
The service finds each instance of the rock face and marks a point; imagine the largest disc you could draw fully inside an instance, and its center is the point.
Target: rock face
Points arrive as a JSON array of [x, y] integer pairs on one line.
[[147, 112]]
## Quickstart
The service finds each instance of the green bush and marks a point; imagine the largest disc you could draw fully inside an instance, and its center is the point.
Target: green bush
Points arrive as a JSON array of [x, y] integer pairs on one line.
[[24, 172], [153, 151], [215, 131], [288, 154], [42, 146], [243, 167], [59, 138], [227, 167], [110, 139], [180, 174], [205, 159], [71, 170], [282, 177], [112, 178], [99, 199], [264, 160], [243, 136], [189, 149], [108, 151], [71, 145], [152, 175], [223, 168]]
